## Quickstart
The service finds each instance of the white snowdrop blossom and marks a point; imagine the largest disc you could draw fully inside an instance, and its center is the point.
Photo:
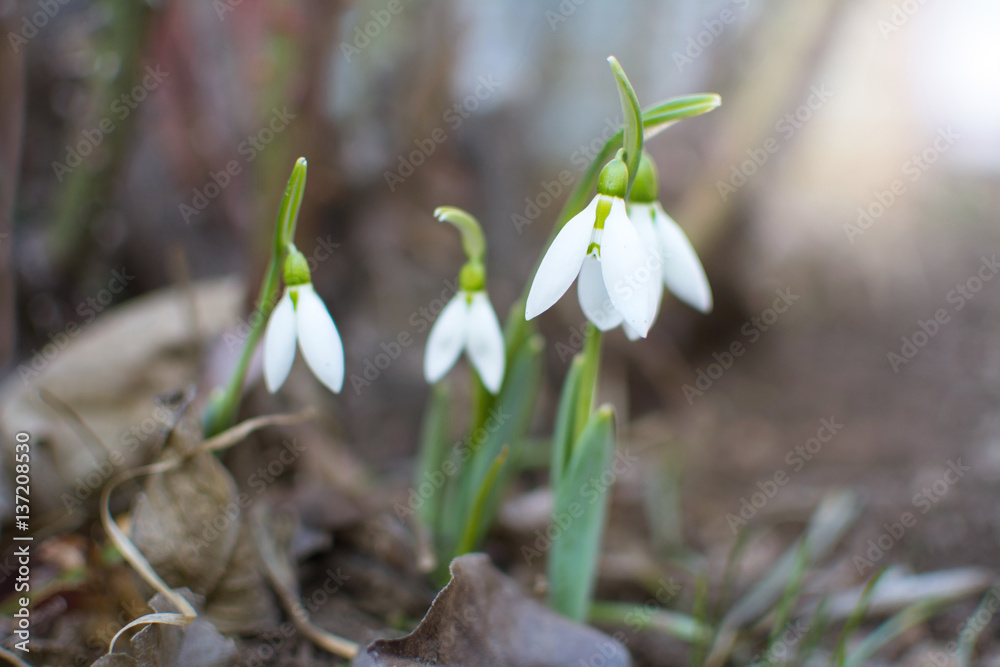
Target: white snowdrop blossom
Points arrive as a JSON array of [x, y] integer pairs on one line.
[[302, 317], [617, 273], [682, 271], [676, 260], [467, 323]]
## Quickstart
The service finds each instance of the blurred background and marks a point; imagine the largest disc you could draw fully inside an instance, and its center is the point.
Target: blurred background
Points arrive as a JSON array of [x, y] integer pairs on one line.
[[844, 199]]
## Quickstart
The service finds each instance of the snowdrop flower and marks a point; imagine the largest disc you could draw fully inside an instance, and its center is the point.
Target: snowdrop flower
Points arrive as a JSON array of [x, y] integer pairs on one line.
[[468, 322], [679, 265], [301, 315], [616, 271]]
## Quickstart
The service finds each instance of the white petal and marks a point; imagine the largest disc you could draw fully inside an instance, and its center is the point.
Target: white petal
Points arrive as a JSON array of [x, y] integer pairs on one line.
[[641, 216], [561, 262], [594, 299], [630, 333], [485, 345], [279, 344], [319, 340], [683, 273], [447, 338], [631, 275]]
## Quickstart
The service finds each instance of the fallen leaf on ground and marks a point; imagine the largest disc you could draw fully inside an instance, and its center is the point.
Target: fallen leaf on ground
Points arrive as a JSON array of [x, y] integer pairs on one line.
[[482, 618]]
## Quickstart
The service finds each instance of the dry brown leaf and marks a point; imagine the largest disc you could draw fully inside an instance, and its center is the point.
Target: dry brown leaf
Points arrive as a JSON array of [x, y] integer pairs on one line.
[[110, 372], [481, 618]]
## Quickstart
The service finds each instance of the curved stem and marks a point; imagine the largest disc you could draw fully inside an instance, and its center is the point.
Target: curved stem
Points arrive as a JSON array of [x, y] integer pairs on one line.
[[223, 405], [588, 380]]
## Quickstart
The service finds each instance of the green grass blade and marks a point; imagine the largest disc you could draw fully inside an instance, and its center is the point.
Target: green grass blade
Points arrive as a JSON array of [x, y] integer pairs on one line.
[[817, 626], [632, 113], [580, 508], [970, 632], [701, 594], [792, 592], [855, 619], [835, 514], [639, 617], [914, 615], [477, 516], [430, 458], [562, 436], [505, 425], [728, 587]]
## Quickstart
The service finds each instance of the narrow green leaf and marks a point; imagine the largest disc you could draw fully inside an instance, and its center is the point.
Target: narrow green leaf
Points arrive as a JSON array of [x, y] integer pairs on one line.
[[701, 594], [637, 616], [855, 619], [666, 113], [836, 512], [728, 587], [791, 595], [477, 517], [817, 626], [632, 114], [565, 421], [430, 458], [505, 424], [588, 379], [578, 516], [291, 202], [973, 627], [914, 615]]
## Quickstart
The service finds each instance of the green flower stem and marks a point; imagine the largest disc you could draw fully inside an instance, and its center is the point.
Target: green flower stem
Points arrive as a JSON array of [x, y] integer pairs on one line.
[[223, 404], [588, 381]]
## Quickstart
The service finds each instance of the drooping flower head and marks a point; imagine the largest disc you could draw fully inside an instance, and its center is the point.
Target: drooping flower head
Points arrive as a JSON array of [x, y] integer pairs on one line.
[[681, 269], [302, 316], [617, 273], [468, 322]]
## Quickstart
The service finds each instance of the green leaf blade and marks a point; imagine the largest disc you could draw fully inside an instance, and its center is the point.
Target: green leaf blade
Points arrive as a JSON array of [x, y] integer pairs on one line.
[[579, 512], [633, 126]]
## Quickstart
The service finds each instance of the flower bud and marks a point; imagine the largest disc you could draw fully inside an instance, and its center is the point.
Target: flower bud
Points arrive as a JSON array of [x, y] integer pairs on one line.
[[296, 268], [644, 188], [613, 181]]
